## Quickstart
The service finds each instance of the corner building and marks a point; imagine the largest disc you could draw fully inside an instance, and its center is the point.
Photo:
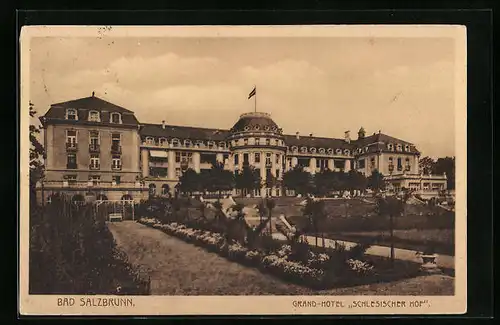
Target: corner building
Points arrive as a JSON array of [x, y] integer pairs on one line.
[[99, 149]]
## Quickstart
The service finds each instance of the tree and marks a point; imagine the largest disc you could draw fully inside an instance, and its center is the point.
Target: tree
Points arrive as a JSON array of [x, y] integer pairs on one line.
[[37, 154], [270, 205], [426, 165], [217, 179], [299, 180], [315, 212], [376, 181], [446, 165], [248, 179], [390, 206], [189, 182], [324, 182], [355, 181]]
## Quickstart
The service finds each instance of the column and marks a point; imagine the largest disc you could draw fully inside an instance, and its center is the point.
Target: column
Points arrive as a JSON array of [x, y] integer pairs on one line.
[[416, 167], [263, 175], [312, 166], [295, 161], [196, 161], [347, 166], [219, 157], [171, 164], [145, 162], [331, 165]]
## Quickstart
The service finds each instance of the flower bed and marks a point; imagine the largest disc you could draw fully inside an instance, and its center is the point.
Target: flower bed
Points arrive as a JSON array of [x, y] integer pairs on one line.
[[316, 271]]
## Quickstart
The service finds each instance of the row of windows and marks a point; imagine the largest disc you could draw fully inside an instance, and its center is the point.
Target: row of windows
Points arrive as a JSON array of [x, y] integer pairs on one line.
[[95, 179], [330, 151], [186, 143], [257, 158], [94, 138], [407, 167], [95, 162], [94, 116]]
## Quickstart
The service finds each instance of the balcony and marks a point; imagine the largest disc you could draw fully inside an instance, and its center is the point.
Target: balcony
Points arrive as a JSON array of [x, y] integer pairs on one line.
[[94, 167], [71, 166], [94, 148], [116, 149], [116, 167], [71, 147]]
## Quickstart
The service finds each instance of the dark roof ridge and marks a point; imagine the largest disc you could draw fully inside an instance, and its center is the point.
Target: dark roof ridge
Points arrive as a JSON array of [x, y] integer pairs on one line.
[[183, 126]]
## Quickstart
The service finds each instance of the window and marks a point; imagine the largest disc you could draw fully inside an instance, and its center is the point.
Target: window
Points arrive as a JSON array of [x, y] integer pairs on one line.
[[245, 142], [187, 143], [295, 149], [163, 142], [71, 179], [322, 163], [400, 165], [268, 158], [407, 164], [177, 157], [71, 114], [236, 159], [177, 172], [150, 140], [407, 148], [277, 173], [289, 162], [390, 146], [347, 152], [257, 157], [94, 161], [268, 142], [313, 150], [94, 116], [71, 138], [208, 158], [257, 141], [116, 118], [175, 142], [94, 137], [245, 158], [339, 164], [165, 189], [222, 144], [372, 162], [116, 179], [71, 161], [277, 159], [225, 157], [211, 144], [303, 150], [361, 163], [399, 147], [303, 162], [116, 163], [322, 150], [95, 179]]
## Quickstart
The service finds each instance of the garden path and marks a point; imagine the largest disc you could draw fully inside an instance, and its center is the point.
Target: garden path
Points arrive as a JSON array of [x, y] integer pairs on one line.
[[179, 268], [443, 261]]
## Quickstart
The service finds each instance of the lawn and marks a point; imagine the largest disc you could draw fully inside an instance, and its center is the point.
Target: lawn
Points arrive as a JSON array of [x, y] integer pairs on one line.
[[180, 268]]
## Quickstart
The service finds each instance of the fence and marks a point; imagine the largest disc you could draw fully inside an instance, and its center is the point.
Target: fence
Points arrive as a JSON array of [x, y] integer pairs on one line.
[[112, 210]]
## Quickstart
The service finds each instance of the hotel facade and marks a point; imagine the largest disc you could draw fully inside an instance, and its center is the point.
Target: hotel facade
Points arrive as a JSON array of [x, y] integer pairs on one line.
[[100, 150]]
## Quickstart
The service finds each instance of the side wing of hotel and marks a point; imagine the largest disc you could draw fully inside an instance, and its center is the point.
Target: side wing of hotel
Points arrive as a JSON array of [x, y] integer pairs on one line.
[[99, 150]]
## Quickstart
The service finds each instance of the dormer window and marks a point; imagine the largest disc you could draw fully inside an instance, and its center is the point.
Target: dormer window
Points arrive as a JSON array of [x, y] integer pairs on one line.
[[330, 151], [150, 140], [116, 118], [71, 114], [399, 147], [162, 141], [222, 144], [322, 150], [338, 151], [313, 150], [211, 144], [295, 149], [407, 148], [347, 152], [187, 143], [94, 116], [175, 142], [390, 146], [303, 149]]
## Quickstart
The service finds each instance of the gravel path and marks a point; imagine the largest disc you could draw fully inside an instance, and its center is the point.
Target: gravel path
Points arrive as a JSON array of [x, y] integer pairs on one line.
[[179, 268]]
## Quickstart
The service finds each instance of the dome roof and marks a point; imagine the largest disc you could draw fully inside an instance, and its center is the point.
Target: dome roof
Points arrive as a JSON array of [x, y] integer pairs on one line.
[[255, 122]]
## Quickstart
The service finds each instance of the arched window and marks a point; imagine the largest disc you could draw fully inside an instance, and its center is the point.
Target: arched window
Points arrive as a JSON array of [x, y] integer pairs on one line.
[[330, 151], [126, 197], [175, 142], [150, 140], [199, 144], [407, 148], [187, 143], [71, 114], [390, 146], [313, 150], [115, 118], [165, 189], [338, 151], [322, 150], [295, 149], [347, 152], [399, 147], [222, 145], [162, 142], [303, 149], [94, 116], [211, 144]]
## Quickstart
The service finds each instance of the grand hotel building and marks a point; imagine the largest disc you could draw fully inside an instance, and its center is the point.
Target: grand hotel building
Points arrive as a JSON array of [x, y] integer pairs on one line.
[[99, 149]]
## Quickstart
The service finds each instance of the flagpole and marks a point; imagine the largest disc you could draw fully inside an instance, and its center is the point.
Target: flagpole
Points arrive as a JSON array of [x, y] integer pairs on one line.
[[255, 101]]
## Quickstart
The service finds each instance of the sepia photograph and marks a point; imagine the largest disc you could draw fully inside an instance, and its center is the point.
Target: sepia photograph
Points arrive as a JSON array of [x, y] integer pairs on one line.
[[243, 170]]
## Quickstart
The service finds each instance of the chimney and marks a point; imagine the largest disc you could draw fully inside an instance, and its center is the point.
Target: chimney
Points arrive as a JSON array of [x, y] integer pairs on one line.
[[347, 136], [310, 134], [297, 135], [379, 131], [163, 124], [93, 93]]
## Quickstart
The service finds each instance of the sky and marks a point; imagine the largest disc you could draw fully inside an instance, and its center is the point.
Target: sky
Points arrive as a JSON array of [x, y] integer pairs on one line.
[[321, 85]]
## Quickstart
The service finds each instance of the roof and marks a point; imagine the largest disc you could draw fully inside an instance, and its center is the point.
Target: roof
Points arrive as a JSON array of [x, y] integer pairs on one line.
[[379, 141], [94, 103], [252, 120], [183, 132], [318, 142], [87, 104]]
